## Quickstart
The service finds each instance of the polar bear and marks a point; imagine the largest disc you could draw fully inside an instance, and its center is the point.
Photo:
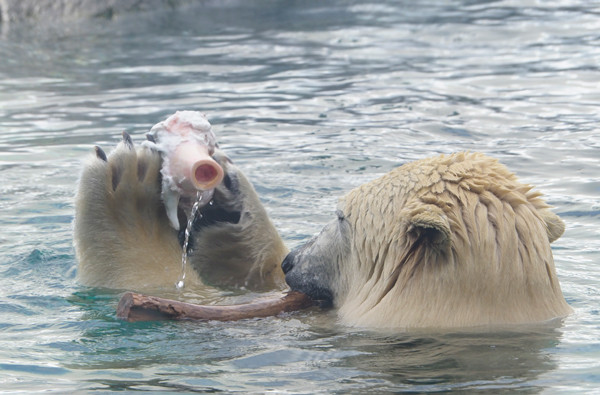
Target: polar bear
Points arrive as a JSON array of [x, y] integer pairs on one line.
[[123, 238], [449, 241]]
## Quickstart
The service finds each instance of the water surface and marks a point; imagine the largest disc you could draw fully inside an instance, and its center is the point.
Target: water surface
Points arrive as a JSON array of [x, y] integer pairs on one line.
[[310, 100]]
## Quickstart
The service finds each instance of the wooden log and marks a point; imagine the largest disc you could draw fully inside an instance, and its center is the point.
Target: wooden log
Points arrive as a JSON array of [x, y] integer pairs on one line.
[[137, 307]]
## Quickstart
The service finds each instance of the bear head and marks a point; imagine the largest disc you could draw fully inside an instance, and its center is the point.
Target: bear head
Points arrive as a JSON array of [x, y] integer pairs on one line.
[[449, 241]]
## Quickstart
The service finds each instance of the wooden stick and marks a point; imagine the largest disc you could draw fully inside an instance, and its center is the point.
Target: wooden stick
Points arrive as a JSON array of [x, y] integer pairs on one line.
[[137, 307]]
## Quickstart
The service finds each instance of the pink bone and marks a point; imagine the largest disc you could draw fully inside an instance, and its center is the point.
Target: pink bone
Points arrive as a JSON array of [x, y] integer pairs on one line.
[[190, 163]]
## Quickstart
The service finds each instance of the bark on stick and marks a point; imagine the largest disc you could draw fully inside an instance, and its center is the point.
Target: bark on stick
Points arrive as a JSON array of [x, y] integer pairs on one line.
[[138, 307]]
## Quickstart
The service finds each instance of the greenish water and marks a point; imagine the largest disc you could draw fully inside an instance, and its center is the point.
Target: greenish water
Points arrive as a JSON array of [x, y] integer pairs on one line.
[[310, 99]]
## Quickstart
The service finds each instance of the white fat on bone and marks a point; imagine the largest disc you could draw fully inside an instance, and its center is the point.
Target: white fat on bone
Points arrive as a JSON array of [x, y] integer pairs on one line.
[[186, 142]]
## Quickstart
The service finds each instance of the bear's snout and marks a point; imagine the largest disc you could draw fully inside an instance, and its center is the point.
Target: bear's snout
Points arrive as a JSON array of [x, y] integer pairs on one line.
[[288, 262], [300, 279]]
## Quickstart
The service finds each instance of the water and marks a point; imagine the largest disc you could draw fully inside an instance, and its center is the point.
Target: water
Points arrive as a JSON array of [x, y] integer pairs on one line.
[[310, 99], [186, 238]]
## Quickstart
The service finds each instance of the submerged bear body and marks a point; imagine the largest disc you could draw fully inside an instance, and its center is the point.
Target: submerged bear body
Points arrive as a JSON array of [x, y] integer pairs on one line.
[[448, 241]]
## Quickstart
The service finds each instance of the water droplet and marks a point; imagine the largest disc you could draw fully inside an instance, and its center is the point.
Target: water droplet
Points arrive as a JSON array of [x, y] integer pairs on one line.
[[188, 231]]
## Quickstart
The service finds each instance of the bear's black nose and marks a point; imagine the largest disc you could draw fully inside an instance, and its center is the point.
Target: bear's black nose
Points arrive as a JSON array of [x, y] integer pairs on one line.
[[288, 263]]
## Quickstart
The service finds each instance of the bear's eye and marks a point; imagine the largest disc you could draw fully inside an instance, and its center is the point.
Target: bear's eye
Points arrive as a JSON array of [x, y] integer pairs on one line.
[[340, 215]]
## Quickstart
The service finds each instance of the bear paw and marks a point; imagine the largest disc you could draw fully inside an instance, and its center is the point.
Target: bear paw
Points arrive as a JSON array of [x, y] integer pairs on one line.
[[120, 220]]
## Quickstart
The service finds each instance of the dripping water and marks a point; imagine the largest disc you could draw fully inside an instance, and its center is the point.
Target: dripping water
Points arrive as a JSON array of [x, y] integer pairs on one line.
[[188, 230]]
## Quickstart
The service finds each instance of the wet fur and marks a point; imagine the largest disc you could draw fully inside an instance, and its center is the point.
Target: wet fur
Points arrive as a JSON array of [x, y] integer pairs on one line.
[[123, 238], [448, 241]]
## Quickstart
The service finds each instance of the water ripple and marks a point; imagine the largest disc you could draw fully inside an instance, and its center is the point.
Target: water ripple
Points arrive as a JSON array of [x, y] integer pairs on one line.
[[311, 100]]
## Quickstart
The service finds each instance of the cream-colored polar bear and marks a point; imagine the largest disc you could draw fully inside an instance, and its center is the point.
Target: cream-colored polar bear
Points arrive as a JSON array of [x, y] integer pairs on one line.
[[123, 238], [449, 241]]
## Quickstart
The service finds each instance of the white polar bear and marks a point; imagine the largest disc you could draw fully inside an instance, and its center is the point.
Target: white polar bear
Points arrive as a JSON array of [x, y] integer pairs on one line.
[[449, 241], [123, 239]]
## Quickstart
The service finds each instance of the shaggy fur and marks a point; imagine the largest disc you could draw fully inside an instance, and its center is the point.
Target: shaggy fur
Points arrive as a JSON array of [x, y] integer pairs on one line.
[[123, 238], [449, 241]]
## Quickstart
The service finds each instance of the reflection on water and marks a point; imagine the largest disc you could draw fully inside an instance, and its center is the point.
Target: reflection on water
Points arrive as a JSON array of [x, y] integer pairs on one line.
[[305, 353], [460, 361], [310, 100]]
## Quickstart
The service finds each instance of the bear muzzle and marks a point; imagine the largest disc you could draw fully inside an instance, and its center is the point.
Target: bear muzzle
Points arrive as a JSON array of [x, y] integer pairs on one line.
[[288, 263], [307, 284]]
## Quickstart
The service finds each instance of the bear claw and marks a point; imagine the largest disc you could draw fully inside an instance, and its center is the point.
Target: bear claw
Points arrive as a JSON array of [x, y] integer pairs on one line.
[[100, 154], [127, 140]]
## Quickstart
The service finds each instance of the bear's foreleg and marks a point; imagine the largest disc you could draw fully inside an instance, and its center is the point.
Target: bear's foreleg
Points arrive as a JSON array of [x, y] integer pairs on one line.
[[122, 234]]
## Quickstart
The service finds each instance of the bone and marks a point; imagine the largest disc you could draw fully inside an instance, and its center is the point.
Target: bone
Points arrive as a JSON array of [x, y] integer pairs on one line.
[[186, 143], [193, 166], [138, 307]]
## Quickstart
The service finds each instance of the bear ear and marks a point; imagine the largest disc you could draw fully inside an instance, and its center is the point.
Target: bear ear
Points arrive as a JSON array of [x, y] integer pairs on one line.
[[555, 226], [428, 223]]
